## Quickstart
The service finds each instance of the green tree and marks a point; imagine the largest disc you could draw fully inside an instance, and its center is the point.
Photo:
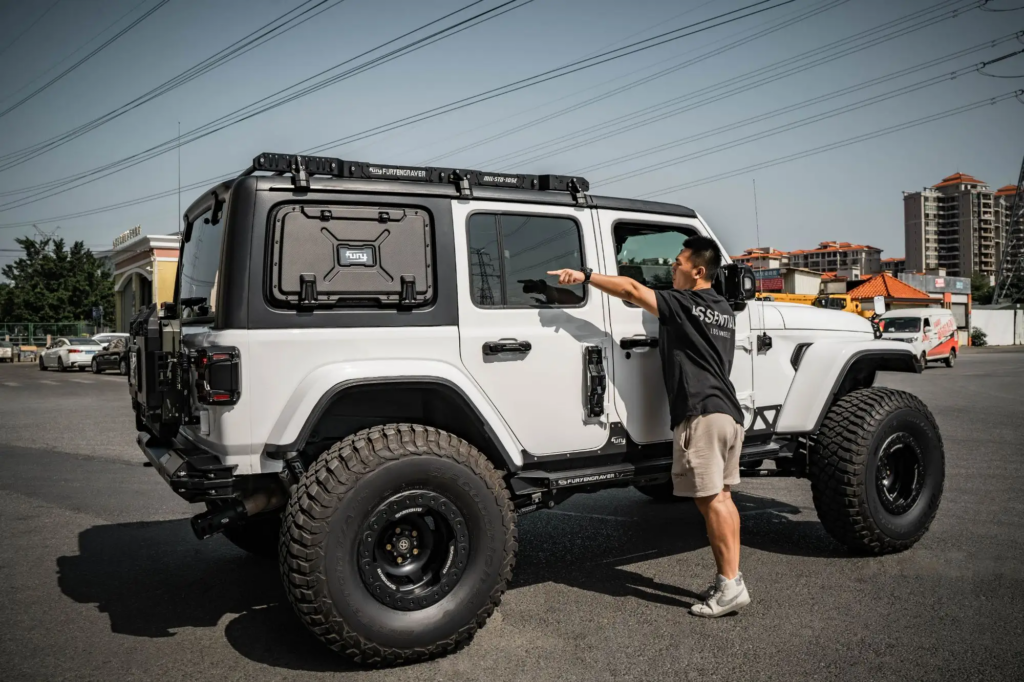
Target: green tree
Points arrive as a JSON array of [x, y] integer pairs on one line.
[[981, 289], [52, 283]]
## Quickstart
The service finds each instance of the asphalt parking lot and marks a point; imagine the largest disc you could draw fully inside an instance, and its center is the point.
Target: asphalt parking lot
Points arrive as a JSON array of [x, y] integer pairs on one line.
[[101, 578]]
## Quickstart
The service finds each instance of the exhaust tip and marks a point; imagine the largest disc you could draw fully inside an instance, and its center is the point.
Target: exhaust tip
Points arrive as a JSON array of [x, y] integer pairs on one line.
[[215, 521]]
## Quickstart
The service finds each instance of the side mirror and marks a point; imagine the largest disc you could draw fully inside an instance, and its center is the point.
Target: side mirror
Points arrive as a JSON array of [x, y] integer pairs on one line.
[[927, 328]]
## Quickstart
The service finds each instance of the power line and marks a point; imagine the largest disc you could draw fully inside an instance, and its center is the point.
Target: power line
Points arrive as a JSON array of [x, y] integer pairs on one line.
[[240, 47], [874, 99], [55, 187], [83, 60], [537, 79], [74, 52], [1016, 94], [789, 21], [28, 28], [753, 79]]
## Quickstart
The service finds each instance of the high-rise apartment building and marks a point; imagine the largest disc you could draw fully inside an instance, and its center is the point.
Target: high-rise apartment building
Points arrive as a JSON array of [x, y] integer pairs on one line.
[[952, 225]]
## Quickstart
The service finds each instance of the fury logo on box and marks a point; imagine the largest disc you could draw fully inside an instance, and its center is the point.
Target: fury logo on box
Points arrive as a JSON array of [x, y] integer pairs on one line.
[[349, 256]]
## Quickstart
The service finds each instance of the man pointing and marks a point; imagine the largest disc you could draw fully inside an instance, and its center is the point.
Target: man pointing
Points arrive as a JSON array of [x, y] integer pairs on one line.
[[696, 341]]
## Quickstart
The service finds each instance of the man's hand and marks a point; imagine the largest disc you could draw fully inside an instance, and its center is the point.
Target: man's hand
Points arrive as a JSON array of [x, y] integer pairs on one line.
[[567, 276], [626, 288]]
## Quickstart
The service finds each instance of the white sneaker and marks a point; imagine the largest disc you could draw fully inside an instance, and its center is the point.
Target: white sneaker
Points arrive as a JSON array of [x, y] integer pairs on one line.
[[727, 596]]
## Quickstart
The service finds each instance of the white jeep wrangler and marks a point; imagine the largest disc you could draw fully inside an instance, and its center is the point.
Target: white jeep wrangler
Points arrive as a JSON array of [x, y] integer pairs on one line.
[[365, 373]]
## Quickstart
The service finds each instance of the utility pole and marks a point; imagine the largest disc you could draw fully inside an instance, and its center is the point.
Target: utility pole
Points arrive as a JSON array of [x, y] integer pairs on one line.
[[1010, 276]]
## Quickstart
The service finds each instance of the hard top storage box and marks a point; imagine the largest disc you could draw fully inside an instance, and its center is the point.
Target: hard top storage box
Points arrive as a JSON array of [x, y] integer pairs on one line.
[[331, 256]]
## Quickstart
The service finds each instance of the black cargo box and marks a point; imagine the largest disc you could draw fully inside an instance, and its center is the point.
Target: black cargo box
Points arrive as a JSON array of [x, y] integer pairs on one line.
[[338, 256]]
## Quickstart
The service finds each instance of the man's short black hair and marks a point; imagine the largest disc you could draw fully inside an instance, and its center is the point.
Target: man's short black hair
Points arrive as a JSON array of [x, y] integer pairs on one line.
[[704, 252]]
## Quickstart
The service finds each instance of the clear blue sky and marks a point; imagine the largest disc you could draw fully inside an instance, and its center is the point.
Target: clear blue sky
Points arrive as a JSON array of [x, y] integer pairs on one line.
[[851, 194]]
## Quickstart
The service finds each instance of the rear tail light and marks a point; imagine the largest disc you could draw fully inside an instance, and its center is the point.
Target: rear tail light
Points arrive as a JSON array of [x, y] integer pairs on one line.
[[74, 350], [217, 376]]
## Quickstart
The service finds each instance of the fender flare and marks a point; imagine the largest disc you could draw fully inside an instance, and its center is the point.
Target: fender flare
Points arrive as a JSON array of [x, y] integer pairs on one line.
[[313, 395], [820, 375]]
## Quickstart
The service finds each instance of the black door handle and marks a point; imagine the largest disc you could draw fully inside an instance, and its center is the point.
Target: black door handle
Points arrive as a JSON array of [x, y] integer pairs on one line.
[[507, 346], [631, 342]]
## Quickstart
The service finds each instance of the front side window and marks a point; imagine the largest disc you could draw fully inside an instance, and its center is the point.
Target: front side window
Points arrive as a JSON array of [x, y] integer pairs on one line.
[[200, 267], [646, 252], [510, 255]]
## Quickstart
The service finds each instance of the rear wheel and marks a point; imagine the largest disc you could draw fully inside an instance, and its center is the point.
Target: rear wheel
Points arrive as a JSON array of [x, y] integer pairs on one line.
[[398, 544], [877, 469], [60, 365], [123, 367], [951, 358]]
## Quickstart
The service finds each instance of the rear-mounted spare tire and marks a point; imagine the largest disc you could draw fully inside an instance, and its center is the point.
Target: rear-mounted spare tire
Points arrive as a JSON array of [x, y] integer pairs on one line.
[[877, 468], [398, 544]]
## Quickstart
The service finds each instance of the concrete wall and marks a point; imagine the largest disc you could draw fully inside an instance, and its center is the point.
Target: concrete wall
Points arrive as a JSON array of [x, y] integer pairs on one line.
[[1003, 327]]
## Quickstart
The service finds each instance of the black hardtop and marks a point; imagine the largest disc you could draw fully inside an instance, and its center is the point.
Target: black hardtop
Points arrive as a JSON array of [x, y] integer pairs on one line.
[[298, 175]]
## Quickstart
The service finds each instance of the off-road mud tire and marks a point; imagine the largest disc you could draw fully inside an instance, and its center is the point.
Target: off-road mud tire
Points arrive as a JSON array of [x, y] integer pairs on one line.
[[843, 463], [337, 495]]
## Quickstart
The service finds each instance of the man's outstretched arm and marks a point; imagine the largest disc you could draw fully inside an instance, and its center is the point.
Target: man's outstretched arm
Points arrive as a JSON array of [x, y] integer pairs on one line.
[[626, 288]]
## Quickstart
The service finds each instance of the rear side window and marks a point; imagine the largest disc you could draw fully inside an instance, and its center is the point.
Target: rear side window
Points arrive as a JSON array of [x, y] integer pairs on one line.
[[334, 256], [200, 267], [511, 254]]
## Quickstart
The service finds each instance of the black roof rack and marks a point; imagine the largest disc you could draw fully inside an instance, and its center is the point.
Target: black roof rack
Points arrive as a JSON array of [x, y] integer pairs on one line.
[[301, 167]]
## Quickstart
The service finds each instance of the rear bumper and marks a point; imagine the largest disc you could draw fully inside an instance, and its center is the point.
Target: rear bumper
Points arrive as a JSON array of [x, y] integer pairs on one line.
[[195, 475]]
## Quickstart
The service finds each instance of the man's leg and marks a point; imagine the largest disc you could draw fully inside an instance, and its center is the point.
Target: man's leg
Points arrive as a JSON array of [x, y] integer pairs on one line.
[[723, 525]]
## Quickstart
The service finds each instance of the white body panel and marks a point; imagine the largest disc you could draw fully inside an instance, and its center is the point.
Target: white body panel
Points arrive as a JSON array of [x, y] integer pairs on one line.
[[62, 349], [539, 394], [286, 372], [813, 384]]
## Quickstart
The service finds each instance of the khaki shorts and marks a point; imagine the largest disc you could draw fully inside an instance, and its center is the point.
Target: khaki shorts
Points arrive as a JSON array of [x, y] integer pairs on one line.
[[706, 455]]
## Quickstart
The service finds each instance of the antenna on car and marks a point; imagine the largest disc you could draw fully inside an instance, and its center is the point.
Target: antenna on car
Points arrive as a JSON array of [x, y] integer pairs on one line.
[[764, 342]]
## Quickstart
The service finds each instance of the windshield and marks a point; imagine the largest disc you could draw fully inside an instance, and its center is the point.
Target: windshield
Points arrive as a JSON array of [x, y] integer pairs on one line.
[[82, 342], [901, 325], [200, 265]]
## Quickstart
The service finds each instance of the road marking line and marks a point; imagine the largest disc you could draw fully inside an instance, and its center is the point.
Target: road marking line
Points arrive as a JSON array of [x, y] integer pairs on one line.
[[44, 381], [81, 381], [11, 383]]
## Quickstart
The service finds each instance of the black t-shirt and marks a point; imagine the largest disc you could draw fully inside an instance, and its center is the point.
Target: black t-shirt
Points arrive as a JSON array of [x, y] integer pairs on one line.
[[697, 339]]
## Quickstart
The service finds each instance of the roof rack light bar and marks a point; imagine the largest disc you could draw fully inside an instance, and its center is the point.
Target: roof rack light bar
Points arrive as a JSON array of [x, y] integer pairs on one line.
[[301, 167]]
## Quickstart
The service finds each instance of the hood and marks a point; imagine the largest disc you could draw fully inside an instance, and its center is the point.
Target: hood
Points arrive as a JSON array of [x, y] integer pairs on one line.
[[798, 316]]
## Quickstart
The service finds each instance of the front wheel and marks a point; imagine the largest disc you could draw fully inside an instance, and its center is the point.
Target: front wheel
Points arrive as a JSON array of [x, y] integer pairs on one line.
[[95, 368], [398, 544], [42, 365], [123, 367], [877, 468], [951, 358]]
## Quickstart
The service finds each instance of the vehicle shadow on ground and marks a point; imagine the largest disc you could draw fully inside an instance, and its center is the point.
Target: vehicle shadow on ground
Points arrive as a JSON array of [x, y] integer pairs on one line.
[[593, 552], [153, 578]]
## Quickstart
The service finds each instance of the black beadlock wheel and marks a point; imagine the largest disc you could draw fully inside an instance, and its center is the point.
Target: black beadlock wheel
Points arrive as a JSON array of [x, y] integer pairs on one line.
[[877, 468], [398, 544]]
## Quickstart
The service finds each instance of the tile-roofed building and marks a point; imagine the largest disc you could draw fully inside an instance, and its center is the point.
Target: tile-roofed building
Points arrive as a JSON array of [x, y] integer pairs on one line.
[[891, 288], [831, 256], [894, 266], [958, 179], [763, 258]]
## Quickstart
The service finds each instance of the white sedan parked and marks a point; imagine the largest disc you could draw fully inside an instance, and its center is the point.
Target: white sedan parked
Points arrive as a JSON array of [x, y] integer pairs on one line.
[[67, 353], [105, 339]]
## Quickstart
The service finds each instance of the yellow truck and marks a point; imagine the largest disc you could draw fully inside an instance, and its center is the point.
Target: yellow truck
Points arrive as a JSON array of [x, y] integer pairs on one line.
[[841, 302], [805, 299]]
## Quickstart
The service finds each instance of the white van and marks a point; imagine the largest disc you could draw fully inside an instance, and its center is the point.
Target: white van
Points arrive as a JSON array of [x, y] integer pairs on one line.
[[932, 331]]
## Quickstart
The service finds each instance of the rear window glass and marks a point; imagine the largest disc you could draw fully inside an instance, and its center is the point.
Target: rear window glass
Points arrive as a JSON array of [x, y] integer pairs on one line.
[[82, 342], [200, 267]]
